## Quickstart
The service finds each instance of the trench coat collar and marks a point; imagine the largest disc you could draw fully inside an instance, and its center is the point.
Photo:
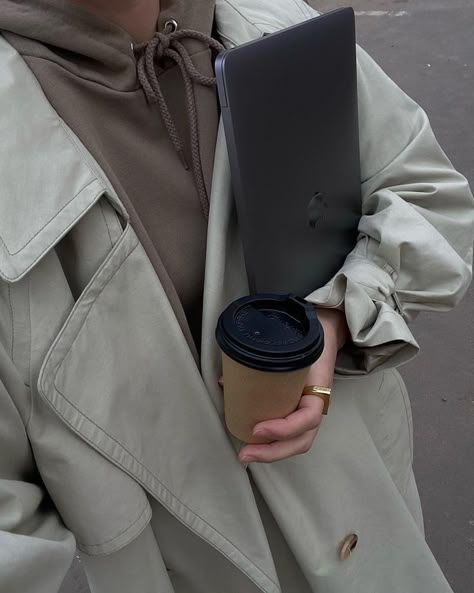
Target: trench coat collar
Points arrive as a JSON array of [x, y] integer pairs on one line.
[[48, 180]]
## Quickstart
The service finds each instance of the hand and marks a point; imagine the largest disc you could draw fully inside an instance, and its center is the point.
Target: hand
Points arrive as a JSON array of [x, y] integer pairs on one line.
[[295, 434]]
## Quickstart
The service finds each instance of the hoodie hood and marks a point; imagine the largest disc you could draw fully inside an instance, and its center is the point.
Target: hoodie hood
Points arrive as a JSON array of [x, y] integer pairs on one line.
[[88, 45]]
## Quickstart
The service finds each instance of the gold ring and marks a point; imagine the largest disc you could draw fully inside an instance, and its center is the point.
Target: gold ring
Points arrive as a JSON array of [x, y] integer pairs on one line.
[[323, 392]]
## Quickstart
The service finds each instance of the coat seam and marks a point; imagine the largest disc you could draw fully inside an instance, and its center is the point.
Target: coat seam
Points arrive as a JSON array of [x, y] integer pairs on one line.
[[266, 26], [115, 537], [36, 84], [92, 165], [406, 412], [381, 383], [410, 436], [30, 413], [13, 322], [389, 448], [85, 549], [245, 18], [24, 417], [28, 241], [80, 149], [88, 312], [300, 8], [88, 288], [38, 257], [227, 38], [387, 268], [29, 329], [106, 223]]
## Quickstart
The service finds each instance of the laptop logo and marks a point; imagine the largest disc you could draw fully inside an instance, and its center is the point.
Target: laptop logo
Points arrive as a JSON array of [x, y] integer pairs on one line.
[[316, 207]]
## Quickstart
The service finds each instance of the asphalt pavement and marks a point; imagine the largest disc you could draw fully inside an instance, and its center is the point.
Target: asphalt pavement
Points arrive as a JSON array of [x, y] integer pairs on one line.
[[427, 47]]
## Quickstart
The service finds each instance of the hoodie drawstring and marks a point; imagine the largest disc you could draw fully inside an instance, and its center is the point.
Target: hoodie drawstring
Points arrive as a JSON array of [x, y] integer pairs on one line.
[[168, 45]]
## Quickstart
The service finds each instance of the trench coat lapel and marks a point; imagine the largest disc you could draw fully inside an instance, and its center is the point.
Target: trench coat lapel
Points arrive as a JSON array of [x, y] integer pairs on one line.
[[171, 440], [225, 277]]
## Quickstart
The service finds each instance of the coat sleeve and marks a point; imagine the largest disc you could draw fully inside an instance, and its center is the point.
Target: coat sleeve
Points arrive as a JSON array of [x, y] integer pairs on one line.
[[414, 250], [36, 550]]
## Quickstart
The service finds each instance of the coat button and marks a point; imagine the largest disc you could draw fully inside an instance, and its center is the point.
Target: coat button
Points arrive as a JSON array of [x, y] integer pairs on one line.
[[348, 546]]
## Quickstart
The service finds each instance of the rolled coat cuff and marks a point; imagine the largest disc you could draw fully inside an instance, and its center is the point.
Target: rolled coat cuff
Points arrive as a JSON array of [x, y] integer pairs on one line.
[[380, 337]]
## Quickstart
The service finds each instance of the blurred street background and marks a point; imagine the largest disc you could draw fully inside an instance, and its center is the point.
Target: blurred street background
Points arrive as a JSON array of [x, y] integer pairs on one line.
[[427, 47]]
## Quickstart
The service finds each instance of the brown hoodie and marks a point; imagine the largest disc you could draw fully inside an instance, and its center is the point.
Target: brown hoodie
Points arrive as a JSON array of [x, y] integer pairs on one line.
[[87, 68]]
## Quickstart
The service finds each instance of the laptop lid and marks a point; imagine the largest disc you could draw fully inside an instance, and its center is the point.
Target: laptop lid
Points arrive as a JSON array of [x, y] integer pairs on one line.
[[289, 108]]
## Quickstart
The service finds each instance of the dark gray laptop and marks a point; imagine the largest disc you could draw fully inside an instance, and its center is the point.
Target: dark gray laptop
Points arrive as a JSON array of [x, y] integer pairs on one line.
[[289, 106]]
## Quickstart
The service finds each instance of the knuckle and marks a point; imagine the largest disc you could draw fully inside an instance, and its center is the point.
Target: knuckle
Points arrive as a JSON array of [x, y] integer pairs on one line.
[[313, 427], [280, 434], [319, 405], [306, 445], [313, 424], [316, 411], [265, 456]]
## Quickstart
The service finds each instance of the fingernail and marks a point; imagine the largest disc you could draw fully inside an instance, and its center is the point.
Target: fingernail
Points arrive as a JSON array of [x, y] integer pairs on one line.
[[246, 459], [261, 433]]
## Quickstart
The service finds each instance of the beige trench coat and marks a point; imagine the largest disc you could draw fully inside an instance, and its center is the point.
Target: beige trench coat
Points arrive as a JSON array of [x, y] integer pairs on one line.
[[98, 385]]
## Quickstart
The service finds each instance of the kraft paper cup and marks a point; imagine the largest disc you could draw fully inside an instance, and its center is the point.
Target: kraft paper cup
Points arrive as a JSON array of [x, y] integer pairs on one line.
[[268, 343]]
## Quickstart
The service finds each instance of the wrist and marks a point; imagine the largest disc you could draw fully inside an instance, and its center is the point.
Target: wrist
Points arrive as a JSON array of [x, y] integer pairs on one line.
[[336, 334], [336, 331]]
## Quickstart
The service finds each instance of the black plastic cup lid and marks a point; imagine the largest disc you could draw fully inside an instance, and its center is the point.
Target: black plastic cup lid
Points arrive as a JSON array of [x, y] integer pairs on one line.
[[268, 332]]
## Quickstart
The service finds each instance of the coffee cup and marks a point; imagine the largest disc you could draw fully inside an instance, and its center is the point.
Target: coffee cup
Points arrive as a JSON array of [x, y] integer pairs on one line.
[[268, 343]]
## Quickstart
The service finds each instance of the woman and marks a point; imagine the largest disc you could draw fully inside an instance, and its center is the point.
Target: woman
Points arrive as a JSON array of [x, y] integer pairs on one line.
[[118, 255]]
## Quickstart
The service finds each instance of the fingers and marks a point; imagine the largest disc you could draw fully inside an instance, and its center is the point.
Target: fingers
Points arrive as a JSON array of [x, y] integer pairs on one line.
[[293, 435], [278, 450], [306, 418]]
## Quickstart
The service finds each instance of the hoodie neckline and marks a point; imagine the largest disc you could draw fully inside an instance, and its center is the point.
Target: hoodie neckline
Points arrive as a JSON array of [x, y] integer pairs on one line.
[[87, 45]]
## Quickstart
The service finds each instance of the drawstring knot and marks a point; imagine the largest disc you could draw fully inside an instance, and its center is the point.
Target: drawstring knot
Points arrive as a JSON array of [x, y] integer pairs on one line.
[[151, 57]]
